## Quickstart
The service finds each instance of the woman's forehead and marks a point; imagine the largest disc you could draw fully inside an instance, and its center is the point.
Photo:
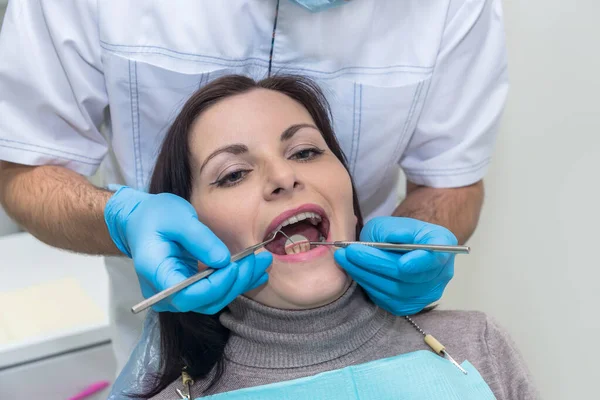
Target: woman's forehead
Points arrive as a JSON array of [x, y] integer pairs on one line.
[[260, 114]]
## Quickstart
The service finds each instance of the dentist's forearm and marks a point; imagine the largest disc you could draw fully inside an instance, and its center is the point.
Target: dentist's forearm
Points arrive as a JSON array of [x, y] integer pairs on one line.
[[456, 209], [57, 206]]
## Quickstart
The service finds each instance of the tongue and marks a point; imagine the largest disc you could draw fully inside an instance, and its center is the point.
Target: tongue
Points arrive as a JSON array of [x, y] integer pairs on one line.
[[306, 229], [303, 228]]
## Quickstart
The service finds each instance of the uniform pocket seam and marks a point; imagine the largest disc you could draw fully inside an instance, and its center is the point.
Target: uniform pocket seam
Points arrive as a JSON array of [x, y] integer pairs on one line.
[[255, 61], [47, 153], [135, 121], [325, 75], [407, 123], [23, 146], [356, 128], [178, 55]]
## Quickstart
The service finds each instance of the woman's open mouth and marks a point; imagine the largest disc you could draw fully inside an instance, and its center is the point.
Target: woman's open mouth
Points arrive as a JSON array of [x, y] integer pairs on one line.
[[298, 230]]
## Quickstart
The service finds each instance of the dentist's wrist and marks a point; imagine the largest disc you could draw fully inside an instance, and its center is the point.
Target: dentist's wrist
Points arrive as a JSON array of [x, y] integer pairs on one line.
[[117, 211]]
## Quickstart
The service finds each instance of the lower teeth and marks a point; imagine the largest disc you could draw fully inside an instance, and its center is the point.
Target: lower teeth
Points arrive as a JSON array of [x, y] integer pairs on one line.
[[296, 244]]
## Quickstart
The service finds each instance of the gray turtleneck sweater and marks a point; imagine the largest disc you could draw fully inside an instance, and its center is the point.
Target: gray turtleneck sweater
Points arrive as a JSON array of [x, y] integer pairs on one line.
[[269, 345]]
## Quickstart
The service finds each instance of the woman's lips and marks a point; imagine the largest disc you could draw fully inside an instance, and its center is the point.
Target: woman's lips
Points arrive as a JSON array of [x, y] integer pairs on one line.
[[289, 213]]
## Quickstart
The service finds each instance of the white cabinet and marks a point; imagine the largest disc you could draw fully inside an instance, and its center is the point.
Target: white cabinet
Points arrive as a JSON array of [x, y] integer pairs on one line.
[[54, 327], [61, 376]]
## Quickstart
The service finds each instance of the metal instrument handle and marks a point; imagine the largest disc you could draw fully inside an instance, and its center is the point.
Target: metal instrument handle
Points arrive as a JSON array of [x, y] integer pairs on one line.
[[410, 247], [150, 301], [399, 246]]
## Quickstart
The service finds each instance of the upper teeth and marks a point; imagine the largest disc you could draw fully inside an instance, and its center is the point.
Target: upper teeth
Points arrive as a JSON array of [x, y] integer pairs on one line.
[[314, 219]]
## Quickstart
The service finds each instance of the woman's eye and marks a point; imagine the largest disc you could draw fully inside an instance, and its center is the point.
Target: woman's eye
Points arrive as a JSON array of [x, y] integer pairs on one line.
[[306, 154], [232, 178]]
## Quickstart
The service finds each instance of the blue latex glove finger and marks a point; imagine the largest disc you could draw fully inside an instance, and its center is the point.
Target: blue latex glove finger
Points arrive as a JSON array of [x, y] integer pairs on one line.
[[260, 275], [197, 239], [403, 305], [248, 267], [388, 264], [396, 297], [214, 292], [400, 282], [148, 291], [134, 219], [161, 233], [201, 294], [392, 304], [389, 286], [162, 264], [161, 260], [412, 231], [259, 282]]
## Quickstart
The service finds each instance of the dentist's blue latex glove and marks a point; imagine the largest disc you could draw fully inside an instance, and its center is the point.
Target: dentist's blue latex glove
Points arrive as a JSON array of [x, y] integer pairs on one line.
[[401, 283], [165, 239]]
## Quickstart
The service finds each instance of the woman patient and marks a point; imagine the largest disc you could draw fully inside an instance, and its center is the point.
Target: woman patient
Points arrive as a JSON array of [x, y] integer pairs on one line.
[[254, 157]]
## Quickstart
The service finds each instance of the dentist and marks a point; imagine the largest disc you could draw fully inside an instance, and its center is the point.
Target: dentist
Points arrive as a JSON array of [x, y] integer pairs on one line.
[[89, 86]]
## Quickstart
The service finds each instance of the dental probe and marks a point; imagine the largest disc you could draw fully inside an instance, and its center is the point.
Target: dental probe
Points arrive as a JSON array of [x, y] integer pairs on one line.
[[399, 247], [150, 301]]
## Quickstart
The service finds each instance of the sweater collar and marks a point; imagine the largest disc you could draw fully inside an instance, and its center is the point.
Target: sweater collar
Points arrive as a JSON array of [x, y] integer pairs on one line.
[[267, 337]]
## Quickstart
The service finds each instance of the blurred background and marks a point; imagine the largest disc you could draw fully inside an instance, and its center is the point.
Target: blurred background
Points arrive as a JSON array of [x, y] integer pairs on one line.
[[54, 327], [533, 266]]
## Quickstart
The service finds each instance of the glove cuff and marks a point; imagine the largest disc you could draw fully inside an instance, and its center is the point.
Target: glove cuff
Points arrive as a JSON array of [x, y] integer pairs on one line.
[[117, 210]]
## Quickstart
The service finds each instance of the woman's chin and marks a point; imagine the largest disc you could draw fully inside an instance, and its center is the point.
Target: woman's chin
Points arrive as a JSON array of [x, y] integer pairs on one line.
[[316, 296], [302, 285]]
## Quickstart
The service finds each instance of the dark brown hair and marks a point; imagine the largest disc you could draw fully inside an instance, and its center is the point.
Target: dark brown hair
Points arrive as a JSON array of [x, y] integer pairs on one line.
[[192, 340]]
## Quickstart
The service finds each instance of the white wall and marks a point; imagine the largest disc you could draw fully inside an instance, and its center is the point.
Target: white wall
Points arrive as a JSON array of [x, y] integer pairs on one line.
[[7, 226], [535, 263]]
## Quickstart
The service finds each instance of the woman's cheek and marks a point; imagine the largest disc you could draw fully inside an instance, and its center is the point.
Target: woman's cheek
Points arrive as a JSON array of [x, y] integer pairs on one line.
[[345, 201], [344, 183], [235, 222], [228, 235], [215, 219]]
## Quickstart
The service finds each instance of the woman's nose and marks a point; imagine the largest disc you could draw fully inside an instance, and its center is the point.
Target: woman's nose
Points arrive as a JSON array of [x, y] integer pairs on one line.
[[282, 180]]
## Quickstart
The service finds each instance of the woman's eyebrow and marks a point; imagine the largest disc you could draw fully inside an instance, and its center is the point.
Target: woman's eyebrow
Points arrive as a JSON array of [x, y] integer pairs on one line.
[[233, 149], [241, 148], [291, 131]]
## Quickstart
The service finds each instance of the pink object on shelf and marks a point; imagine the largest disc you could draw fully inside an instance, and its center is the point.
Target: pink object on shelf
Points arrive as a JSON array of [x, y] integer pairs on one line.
[[90, 390]]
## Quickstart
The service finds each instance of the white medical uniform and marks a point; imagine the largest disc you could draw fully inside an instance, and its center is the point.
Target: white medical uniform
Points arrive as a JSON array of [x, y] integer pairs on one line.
[[413, 84]]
